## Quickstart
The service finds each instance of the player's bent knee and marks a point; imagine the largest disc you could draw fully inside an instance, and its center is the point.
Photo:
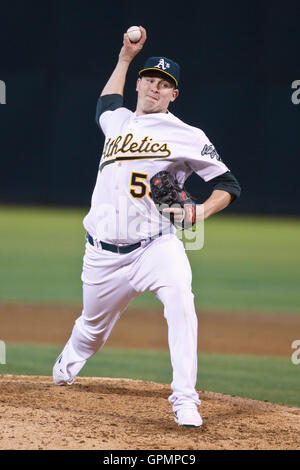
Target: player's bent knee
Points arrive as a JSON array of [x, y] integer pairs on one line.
[[178, 298], [178, 290]]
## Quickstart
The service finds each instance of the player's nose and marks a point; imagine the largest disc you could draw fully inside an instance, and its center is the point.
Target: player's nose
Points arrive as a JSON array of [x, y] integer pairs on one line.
[[155, 87]]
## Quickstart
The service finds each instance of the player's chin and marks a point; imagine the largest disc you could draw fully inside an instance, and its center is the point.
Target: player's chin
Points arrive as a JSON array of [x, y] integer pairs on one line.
[[152, 107]]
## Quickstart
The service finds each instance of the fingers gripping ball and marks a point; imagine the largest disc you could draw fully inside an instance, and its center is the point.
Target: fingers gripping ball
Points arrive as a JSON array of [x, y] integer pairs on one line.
[[166, 192], [134, 33]]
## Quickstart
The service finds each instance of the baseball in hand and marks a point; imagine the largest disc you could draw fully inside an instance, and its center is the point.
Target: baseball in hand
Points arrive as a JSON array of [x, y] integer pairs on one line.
[[134, 33]]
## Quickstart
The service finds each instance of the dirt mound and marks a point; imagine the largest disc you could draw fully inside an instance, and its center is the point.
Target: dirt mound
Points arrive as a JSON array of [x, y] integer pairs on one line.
[[102, 413]]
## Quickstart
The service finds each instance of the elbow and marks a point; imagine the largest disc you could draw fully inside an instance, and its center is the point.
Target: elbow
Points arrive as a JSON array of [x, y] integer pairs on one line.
[[228, 182], [236, 192]]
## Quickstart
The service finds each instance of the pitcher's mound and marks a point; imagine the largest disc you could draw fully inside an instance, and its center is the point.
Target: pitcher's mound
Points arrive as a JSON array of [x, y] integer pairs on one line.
[[103, 413]]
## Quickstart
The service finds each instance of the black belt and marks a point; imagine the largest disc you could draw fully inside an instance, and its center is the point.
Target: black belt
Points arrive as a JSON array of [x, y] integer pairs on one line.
[[114, 248]]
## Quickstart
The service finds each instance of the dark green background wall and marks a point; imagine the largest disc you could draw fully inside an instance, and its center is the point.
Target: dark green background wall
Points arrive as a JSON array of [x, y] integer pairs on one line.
[[238, 62]]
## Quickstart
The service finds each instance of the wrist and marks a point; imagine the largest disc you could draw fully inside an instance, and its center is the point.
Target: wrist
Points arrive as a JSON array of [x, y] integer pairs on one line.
[[189, 214], [124, 61], [201, 214]]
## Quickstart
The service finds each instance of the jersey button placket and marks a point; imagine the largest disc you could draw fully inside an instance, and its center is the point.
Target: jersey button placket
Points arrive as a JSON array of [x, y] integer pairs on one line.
[[118, 179]]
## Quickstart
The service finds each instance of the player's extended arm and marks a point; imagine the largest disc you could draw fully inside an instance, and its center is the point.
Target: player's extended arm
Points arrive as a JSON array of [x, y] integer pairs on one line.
[[116, 82], [217, 201], [226, 189]]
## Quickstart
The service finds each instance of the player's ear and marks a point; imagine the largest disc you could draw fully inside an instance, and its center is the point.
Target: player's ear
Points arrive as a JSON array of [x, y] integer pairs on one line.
[[138, 84], [175, 94]]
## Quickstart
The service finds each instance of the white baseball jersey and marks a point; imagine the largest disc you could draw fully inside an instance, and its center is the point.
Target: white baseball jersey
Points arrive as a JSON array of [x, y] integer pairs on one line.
[[135, 149]]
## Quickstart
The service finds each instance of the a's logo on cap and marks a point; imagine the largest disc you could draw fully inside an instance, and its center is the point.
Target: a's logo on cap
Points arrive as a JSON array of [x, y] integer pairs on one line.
[[162, 64]]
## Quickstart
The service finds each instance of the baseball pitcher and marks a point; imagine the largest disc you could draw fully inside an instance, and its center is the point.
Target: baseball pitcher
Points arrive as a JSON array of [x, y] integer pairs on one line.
[[137, 203]]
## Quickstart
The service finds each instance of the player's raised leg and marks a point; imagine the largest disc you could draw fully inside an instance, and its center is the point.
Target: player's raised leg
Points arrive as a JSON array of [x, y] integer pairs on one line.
[[106, 294]]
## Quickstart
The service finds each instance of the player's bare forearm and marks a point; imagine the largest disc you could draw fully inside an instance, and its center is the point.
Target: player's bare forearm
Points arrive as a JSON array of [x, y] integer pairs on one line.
[[217, 201], [116, 82]]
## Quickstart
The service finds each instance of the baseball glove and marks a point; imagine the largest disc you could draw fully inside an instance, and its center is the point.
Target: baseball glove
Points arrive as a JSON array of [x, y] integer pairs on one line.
[[166, 192]]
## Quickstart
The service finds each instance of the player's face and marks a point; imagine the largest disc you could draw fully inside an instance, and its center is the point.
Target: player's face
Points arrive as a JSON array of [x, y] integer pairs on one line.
[[154, 94]]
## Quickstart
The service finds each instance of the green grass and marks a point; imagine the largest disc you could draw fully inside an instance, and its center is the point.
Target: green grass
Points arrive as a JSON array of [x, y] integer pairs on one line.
[[274, 379], [248, 264], [41, 254]]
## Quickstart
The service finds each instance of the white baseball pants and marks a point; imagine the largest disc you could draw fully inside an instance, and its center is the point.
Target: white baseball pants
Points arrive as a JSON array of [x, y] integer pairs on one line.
[[112, 280]]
